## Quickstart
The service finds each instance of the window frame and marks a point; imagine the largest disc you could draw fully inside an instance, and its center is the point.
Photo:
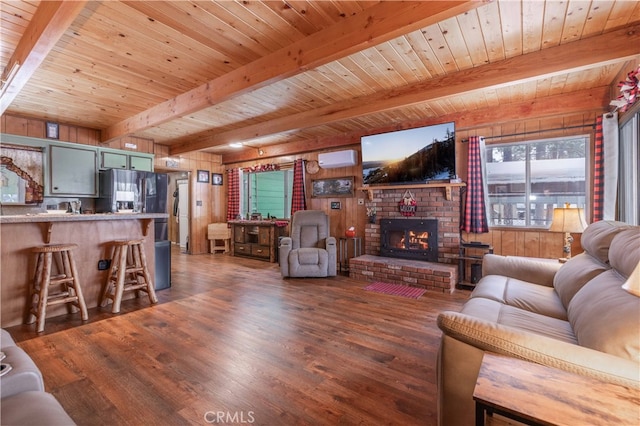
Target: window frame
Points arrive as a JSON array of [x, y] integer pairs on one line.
[[246, 193], [588, 140]]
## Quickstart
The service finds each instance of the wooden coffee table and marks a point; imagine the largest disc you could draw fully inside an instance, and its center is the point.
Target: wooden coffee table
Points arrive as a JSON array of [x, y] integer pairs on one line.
[[539, 395]]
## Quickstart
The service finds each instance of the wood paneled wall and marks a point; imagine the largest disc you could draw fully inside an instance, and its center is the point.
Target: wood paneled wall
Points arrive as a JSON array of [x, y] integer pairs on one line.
[[350, 213], [209, 202], [530, 243], [36, 128], [514, 242]]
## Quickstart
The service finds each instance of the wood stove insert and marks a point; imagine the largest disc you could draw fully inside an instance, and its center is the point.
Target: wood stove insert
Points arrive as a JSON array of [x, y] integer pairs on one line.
[[415, 239]]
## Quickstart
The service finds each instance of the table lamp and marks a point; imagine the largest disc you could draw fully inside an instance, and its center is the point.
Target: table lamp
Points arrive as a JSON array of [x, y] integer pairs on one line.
[[568, 220]]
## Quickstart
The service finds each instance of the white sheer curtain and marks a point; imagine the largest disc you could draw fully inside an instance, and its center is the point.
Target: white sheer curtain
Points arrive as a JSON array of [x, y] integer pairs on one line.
[[629, 185], [610, 136]]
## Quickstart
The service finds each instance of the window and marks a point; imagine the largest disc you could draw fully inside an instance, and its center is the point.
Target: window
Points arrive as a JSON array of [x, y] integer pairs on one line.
[[527, 180], [629, 177], [268, 193]]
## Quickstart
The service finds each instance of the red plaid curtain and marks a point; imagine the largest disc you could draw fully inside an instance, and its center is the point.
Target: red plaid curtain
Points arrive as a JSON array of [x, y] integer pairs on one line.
[[475, 211], [298, 199], [598, 173], [233, 193]]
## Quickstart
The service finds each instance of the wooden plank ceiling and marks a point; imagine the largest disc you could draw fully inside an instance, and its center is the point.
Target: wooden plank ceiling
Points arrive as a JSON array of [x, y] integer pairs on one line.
[[291, 76]]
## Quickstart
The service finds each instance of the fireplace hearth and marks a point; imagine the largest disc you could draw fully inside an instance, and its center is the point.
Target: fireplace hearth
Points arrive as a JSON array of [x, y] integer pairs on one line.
[[415, 239]]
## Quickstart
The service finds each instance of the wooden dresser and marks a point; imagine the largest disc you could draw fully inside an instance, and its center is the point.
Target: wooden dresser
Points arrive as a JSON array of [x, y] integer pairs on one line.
[[257, 238]]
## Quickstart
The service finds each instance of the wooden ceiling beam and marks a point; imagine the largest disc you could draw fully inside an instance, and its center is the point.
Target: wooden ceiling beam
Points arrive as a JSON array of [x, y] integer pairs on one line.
[[380, 23], [567, 103], [49, 23], [594, 51]]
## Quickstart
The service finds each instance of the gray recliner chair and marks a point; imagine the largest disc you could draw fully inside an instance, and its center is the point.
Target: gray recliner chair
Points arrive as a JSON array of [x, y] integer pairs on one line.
[[309, 251]]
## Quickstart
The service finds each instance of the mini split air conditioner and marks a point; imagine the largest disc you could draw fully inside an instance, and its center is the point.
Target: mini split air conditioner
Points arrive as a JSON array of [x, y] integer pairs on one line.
[[331, 160]]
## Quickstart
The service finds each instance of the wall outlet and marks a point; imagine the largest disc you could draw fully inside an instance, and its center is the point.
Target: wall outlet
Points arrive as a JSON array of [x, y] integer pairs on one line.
[[361, 201], [104, 264]]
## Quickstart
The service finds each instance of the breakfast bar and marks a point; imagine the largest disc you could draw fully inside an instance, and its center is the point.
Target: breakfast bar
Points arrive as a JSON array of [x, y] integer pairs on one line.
[[93, 233]]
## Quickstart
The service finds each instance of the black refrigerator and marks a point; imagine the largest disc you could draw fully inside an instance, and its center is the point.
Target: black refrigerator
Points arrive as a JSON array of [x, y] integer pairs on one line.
[[156, 187], [144, 192]]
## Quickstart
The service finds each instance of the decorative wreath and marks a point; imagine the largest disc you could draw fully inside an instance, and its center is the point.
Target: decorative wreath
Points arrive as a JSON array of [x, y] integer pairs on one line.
[[408, 204], [629, 91]]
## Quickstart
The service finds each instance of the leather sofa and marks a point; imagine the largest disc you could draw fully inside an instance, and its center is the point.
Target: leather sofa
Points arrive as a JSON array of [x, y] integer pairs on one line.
[[573, 316], [24, 401]]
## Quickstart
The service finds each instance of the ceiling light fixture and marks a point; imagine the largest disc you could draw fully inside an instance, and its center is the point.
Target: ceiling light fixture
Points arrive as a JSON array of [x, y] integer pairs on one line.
[[236, 145]]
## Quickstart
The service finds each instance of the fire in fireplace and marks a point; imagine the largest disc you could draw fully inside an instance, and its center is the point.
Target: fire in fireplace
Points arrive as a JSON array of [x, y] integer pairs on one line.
[[409, 239]]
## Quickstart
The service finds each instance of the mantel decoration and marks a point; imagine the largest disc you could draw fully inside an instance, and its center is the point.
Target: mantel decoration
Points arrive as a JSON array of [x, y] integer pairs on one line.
[[628, 91], [371, 214], [408, 204]]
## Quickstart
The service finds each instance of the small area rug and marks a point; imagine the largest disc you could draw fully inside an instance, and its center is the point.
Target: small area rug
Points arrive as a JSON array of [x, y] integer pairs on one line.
[[396, 289]]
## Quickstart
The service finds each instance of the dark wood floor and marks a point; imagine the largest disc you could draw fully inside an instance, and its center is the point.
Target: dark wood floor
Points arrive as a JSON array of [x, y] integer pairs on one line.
[[233, 342]]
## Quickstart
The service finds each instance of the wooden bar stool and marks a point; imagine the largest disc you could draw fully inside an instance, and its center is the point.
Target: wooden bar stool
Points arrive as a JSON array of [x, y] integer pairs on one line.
[[128, 272], [66, 279]]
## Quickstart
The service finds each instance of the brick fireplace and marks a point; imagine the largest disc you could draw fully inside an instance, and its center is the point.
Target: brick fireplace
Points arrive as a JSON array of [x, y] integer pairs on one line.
[[409, 238], [432, 203]]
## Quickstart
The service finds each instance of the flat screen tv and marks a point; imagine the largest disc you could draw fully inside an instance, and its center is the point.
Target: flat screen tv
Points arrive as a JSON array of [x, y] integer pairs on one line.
[[410, 156]]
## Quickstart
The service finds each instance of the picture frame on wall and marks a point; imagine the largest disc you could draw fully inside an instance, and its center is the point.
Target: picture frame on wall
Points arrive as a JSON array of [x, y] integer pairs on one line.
[[216, 178], [22, 167], [336, 205], [52, 130], [203, 176], [333, 187]]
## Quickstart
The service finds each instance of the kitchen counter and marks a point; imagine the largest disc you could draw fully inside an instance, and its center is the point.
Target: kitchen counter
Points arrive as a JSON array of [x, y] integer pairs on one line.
[[69, 217], [50, 218], [93, 233]]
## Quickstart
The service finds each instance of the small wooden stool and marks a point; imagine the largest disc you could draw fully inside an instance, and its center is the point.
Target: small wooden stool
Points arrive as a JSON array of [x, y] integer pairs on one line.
[[219, 232], [67, 278], [128, 272]]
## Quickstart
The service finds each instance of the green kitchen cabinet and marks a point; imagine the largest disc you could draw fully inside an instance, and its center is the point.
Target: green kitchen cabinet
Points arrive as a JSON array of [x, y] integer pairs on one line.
[[119, 159], [73, 171], [113, 160], [141, 162]]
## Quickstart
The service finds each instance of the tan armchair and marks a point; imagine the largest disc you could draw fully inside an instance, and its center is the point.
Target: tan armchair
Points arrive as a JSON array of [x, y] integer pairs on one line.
[[309, 251]]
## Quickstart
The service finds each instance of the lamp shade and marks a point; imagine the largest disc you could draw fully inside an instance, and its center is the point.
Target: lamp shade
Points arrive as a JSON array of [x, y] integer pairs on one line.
[[633, 283], [568, 219]]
